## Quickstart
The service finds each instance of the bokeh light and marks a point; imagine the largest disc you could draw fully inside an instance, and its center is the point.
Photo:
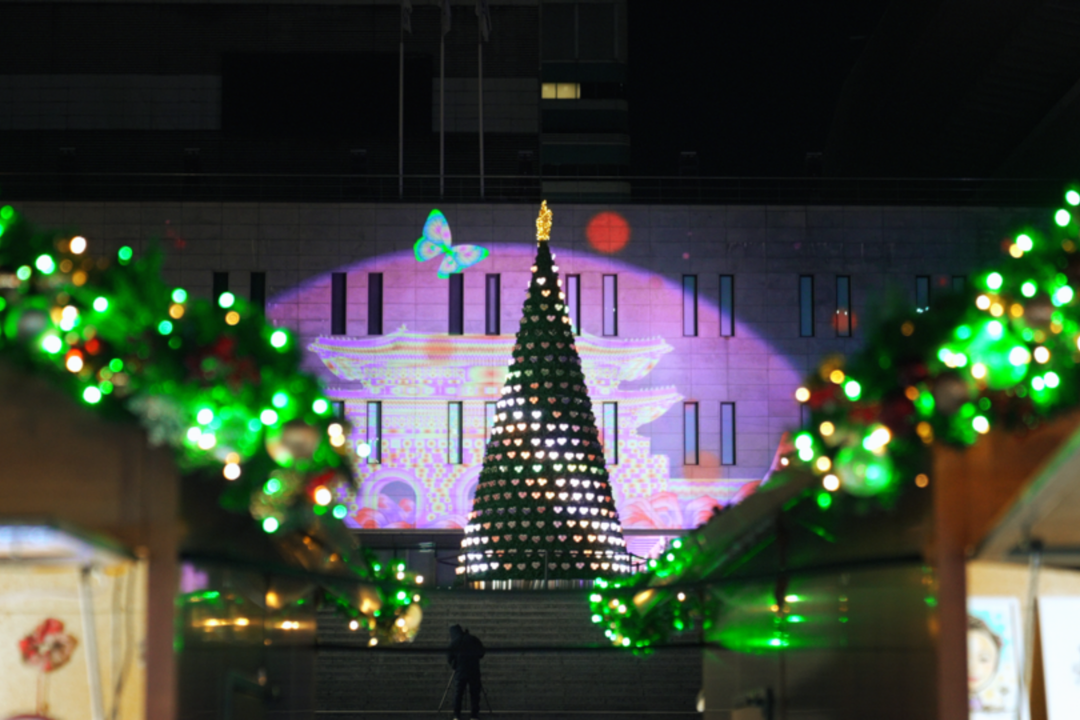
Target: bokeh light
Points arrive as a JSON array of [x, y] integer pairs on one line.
[[608, 232]]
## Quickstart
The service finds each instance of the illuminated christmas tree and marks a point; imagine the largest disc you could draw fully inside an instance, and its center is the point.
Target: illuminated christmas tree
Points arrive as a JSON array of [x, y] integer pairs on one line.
[[543, 505]]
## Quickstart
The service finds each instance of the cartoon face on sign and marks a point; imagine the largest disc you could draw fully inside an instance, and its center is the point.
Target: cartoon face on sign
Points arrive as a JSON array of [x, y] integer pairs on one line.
[[436, 241]]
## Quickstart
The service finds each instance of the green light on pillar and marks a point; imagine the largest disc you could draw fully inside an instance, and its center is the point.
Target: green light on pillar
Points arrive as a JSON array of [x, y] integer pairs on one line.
[[125, 254], [270, 525], [1073, 198], [340, 511], [179, 295], [1062, 217]]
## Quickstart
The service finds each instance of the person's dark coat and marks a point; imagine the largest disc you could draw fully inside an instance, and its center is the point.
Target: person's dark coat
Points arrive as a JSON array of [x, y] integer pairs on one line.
[[465, 652]]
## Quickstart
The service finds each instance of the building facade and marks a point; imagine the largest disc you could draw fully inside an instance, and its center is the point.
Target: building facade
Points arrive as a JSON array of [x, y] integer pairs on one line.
[[696, 325], [186, 91]]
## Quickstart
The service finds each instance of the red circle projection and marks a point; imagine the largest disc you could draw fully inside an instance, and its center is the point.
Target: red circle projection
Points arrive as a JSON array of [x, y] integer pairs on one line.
[[608, 232]]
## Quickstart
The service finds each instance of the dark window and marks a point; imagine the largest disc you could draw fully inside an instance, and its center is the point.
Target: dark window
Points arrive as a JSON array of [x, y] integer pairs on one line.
[[257, 292], [611, 305], [220, 286], [338, 298], [843, 306], [492, 307], [922, 293], [559, 31], [596, 31], [374, 432], [489, 419], [806, 306], [454, 447], [727, 433], [573, 302], [328, 95], [375, 304], [690, 433], [610, 431], [457, 305], [689, 305], [727, 306], [959, 282]]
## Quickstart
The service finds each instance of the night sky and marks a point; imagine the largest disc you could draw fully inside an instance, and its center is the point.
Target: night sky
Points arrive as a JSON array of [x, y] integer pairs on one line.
[[752, 87]]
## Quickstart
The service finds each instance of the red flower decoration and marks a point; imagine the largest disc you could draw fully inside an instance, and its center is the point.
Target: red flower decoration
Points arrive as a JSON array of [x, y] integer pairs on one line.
[[48, 646]]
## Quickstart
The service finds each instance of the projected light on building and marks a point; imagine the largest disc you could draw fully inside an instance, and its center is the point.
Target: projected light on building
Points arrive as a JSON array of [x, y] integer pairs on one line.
[[405, 380]]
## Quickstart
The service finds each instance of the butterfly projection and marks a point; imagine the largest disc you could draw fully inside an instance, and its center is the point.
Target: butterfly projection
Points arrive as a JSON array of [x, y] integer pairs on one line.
[[436, 241]]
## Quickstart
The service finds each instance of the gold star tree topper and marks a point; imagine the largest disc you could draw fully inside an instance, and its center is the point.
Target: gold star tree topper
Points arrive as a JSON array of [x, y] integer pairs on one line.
[[543, 223]]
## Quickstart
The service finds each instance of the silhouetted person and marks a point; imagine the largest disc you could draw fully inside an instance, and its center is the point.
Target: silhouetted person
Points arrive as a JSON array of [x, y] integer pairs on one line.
[[464, 656]]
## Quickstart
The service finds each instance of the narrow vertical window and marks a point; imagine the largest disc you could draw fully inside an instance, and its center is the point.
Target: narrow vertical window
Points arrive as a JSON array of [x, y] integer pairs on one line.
[[339, 409], [573, 302], [611, 305], [690, 433], [806, 306], [374, 432], [727, 433], [843, 306], [804, 416], [457, 305], [492, 305], [727, 306], [453, 433], [257, 290], [338, 298], [689, 305], [374, 304], [611, 432], [489, 420], [922, 293], [220, 286], [959, 282]]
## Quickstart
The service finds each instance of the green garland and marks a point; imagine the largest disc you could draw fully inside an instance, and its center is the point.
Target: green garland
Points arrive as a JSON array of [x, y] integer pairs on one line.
[[1001, 353], [213, 381]]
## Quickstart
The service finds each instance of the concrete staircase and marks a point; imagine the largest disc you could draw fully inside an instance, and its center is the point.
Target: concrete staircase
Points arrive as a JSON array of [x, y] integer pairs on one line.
[[545, 659]]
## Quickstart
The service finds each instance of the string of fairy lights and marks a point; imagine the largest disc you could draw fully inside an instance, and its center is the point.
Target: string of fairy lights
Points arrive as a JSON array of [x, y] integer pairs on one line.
[[209, 379], [1000, 355], [543, 506]]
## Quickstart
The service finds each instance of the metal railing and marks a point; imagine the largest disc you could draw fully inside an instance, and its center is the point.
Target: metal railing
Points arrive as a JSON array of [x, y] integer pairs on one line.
[[338, 188]]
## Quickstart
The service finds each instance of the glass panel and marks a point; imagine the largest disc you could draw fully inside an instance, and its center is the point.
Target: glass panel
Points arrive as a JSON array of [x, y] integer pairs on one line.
[[568, 91], [257, 295], [573, 301], [727, 433], [806, 306], [727, 306], [611, 305], [690, 433], [375, 304], [374, 432], [453, 433], [922, 293], [338, 298], [489, 420], [843, 306], [492, 305], [547, 91], [457, 305], [611, 433], [689, 305]]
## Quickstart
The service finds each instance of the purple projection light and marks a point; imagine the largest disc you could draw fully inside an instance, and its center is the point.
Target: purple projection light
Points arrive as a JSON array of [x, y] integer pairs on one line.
[[642, 376]]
